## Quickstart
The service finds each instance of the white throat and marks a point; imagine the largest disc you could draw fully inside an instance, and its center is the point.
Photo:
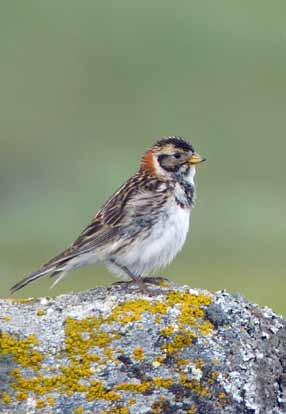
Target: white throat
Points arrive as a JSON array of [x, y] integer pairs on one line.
[[190, 177]]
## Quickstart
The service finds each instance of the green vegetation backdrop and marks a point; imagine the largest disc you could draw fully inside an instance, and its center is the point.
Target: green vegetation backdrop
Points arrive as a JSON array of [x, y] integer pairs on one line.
[[87, 85]]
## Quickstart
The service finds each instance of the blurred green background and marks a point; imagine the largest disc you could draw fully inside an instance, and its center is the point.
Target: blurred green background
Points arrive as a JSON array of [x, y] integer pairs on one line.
[[86, 86]]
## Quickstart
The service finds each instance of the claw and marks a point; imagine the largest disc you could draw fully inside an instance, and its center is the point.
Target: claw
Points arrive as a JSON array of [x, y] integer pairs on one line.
[[141, 287]]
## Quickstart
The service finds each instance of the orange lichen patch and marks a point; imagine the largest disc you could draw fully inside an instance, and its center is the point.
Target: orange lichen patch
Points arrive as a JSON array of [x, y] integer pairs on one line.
[[132, 401], [117, 410], [133, 387], [83, 334], [21, 396], [162, 382], [50, 400], [97, 391], [168, 330], [213, 376], [182, 362], [144, 386], [41, 312], [21, 350], [191, 308], [160, 359], [79, 410], [108, 352], [132, 310], [159, 406], [195, 385], [179, 341], [40, 404], [138, 353], [6, 398], [191, 321], [199, 363]]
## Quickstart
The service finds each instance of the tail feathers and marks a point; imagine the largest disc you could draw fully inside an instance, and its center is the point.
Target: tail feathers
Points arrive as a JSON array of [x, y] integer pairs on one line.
[[62, 273], [31, 277], [54, 266]]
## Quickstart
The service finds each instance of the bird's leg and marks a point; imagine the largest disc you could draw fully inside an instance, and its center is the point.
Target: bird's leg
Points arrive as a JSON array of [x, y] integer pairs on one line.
[[138, 280]]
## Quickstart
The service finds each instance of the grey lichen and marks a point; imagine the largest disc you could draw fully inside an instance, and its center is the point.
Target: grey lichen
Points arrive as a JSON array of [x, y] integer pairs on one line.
[[114, 351]]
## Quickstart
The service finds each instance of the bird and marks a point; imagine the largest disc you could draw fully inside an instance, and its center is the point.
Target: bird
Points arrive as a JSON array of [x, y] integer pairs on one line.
[[144, 224]]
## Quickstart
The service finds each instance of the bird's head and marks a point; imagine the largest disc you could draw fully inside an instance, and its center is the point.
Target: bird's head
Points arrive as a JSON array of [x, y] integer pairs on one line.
[[171, 157]]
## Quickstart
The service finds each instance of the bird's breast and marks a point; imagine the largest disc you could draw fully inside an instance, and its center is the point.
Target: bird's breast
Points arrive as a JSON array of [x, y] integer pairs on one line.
[[165, 239], [176, 226]]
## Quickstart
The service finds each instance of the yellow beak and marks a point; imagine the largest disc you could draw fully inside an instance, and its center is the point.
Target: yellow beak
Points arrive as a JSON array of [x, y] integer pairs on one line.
[[196, 159]]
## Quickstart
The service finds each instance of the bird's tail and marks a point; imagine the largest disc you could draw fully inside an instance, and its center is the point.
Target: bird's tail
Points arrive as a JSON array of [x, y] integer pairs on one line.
[[30, 278], [58, 264]]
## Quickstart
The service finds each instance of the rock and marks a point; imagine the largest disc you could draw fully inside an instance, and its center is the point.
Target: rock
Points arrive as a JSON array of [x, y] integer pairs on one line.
[[114, 351]]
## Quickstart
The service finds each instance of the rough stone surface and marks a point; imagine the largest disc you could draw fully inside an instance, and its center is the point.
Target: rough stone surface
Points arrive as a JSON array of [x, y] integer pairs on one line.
[[114, 351]]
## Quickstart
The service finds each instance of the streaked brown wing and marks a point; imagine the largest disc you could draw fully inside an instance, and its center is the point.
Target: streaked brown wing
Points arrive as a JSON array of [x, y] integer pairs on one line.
[[120, 214]]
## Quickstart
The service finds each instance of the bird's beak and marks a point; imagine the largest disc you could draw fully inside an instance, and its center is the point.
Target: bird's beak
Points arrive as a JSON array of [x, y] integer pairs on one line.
[[196, 159]]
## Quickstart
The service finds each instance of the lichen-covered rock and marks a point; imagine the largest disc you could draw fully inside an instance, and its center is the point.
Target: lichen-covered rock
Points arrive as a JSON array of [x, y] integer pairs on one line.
[[114, 351]]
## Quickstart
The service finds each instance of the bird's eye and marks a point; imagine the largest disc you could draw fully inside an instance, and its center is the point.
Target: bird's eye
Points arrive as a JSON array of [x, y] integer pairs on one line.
[[177, 155]]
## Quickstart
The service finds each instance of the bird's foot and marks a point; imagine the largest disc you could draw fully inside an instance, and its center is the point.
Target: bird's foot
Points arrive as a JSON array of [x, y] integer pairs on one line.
[[141, 287]]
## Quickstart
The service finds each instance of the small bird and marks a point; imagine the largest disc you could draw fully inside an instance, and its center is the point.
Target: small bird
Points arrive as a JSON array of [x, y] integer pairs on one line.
[[143, 225]]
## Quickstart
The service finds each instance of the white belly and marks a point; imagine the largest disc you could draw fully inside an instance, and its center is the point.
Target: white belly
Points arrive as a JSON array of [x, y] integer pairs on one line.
[[166, 239]]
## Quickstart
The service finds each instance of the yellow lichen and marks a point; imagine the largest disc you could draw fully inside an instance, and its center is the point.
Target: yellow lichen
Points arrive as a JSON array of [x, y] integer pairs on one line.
[[158, 407], [132, 401], [108, 352], [6, 398], [191, 308], [6, 318], [79, 410], [182, 362], [21, 396], [195, 385], [199, 363], [215, 361], [133, 387], [191, 320], [118, 410], [131, 311], [162, 382], [144, 386], [21, 350], [213, 376], [41, 312], [50, 401], [138, 353], [168, 330], [179, 341], [40, 404], [159, 360], [97, 391]]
